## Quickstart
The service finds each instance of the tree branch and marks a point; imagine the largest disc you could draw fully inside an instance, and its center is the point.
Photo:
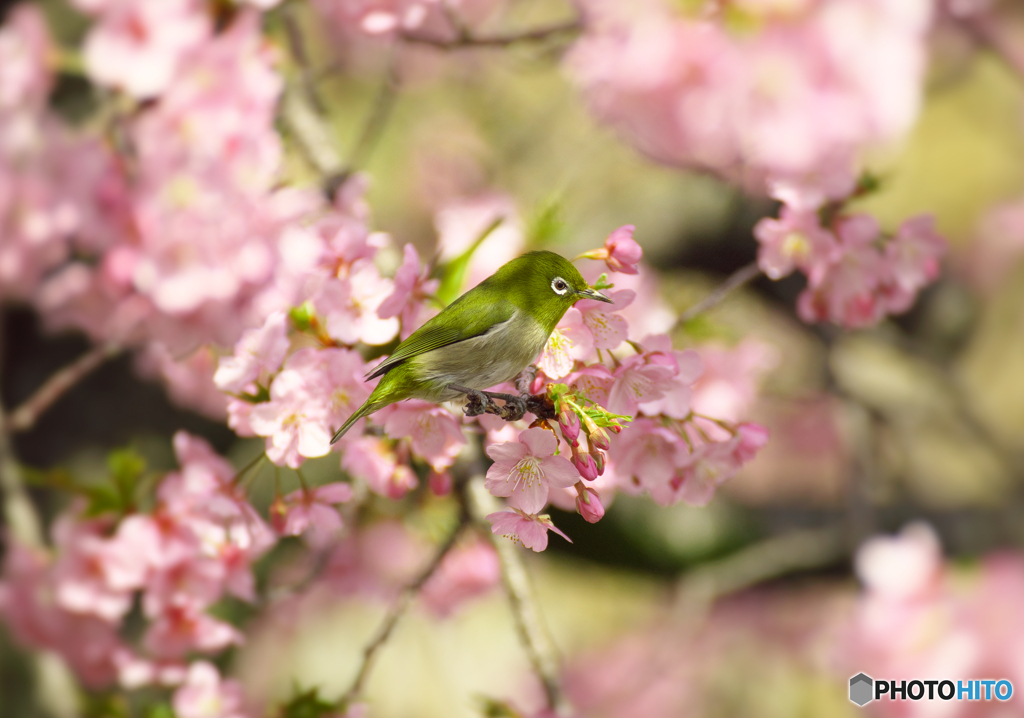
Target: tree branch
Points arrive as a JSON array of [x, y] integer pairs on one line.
[[25, 416], [771, 558], [397, 610], [465, 39], [735, 280], [538, 644]]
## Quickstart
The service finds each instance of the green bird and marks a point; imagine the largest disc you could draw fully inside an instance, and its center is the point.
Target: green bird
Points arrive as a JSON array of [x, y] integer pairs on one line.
[[485, 337]]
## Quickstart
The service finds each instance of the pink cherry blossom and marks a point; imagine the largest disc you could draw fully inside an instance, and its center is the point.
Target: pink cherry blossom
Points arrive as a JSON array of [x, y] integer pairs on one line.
[[87, 562], [25, 76], [593, 382], [795, 240], [525, 471], [350, 305], [177, 630], [710, 465], [608, 327], [530, 531], [688, 368], [571, 341], [412, 288], [732, 377], [911, 261], [794, 98], [204, 694], [374, 461], [902, 566], [259, 350], [316, 390], [86, 642], [312, 513], [646, 455], [639, 380], [137, 45], [434, 433]]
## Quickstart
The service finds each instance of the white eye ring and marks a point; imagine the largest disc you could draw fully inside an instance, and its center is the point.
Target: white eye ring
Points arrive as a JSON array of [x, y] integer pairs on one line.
[[559, 286]]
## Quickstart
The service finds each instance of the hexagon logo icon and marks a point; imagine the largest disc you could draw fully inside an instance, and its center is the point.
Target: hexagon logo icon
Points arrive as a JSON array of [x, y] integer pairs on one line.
[[861, 689]]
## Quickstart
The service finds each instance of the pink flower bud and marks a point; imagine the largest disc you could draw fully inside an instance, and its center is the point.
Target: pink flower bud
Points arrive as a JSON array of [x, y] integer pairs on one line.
[[569, 422], [623, 251], [753, 437], [584, 462], [598, 462], [589, 505], [598, 439]]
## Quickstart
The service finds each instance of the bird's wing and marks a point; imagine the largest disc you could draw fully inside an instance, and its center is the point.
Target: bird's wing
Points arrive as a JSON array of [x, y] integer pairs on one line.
[[458, 322]]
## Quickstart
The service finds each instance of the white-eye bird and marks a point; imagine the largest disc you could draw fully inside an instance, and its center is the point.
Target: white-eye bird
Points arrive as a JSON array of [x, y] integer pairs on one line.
[[485, 337]]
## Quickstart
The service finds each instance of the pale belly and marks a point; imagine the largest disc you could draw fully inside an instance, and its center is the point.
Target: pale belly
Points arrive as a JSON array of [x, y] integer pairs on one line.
[[481, 362]]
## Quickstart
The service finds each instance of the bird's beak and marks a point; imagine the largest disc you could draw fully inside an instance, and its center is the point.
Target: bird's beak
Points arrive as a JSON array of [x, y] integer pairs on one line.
[[593, 294]]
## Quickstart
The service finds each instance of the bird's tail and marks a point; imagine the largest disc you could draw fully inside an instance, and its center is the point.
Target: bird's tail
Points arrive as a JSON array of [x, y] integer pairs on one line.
[[366, 409]]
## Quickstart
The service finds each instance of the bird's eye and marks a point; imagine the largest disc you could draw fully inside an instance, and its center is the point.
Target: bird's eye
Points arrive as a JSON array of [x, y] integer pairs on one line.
[[559, 285]]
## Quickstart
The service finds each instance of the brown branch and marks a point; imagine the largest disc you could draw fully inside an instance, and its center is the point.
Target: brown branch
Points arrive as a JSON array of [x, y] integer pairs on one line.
[[25, 416], [465, 39], [378, 118], [538, 644], [397, 610], [735, 280]]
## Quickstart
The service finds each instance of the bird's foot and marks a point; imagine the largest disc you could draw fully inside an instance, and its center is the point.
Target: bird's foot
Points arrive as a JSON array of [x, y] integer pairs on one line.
[[477, 401], [482, 402], [514, 407]]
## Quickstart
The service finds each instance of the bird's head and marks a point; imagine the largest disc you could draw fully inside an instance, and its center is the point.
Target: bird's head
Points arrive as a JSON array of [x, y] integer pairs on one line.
[[546, 284]]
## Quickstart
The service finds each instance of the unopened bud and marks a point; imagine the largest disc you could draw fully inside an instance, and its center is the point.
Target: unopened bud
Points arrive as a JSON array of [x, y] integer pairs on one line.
[[569, 422], [589, 505], [598, 462], [598, 439], [584, 462]]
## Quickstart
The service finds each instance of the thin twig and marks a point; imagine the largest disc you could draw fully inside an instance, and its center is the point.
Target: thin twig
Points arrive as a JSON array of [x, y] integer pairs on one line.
[[297, 45], [737, 279], [378, 118], [538, 644], [774, 557], [397, 610], [466, 39], [25, 416], [312, 134]]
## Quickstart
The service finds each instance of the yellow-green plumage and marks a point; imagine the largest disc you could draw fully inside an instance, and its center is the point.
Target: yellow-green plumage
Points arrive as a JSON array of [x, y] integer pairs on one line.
[[485, 337]]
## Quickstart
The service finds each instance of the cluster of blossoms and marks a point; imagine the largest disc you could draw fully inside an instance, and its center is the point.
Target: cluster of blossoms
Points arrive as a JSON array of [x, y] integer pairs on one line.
[[856, 274], [194, 548], [756, 91], [785, 99], [624, 413]]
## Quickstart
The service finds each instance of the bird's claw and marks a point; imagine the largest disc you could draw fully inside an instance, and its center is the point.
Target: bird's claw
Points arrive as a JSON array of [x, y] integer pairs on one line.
[[514, 408]]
